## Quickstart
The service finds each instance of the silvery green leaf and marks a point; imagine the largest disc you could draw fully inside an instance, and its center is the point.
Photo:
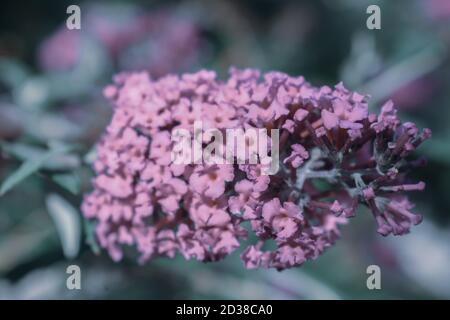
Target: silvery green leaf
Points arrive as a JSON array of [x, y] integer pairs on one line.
[[424, 256], [90, 157], [24, 152], [67, 222], [33, 93], [89, 228], [69, 181], [12, 72], [47, 126], [29, 167]]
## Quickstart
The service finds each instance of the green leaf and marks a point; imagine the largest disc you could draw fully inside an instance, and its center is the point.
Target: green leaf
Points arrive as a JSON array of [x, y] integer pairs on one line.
[[12, 72], [24, 152], [402, 73], [90, 157], [436, 149], [89, 228], [29, 167], [69, 181], [67, 222]]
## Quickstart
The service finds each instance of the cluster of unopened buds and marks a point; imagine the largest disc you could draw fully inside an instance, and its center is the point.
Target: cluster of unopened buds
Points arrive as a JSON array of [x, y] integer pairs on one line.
[[333, 156]]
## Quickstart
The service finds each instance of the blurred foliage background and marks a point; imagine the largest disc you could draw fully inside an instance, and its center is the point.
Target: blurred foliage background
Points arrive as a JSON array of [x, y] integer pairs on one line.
[[52, 112]]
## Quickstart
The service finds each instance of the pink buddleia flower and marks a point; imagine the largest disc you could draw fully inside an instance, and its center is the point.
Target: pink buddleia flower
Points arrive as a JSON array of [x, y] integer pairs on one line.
[[387, 118], [245, 202], [211, 180], [116, 186], [209, 216], [186, 113], [284, 220], [169, 194], [290, 256], [190, 247], [203, 211], [346, 113], [253, 257], [219, 116], [255, 174], [298, 156]]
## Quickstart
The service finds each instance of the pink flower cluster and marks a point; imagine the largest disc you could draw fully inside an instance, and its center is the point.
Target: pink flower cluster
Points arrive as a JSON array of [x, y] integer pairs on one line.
[[334, 156]]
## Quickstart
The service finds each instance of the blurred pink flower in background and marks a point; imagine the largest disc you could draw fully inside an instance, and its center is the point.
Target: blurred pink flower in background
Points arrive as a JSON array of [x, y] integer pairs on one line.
[[416, 93], [159, 41], [61, 50], [438, 9]]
